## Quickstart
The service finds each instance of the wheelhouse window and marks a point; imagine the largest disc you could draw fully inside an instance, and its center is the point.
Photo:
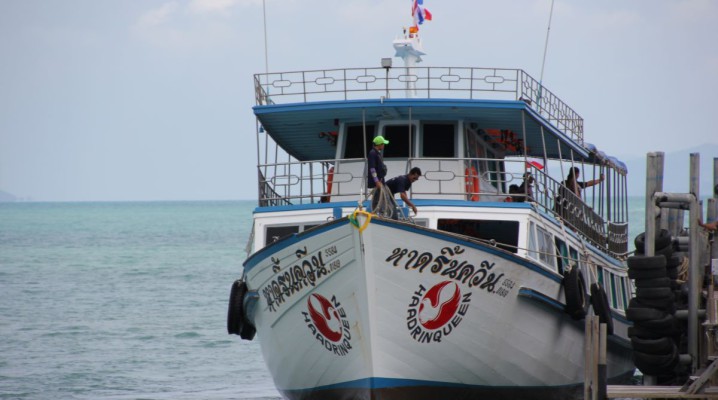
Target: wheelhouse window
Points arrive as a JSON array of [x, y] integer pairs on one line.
[[276, 233], [624, 293], [545, 247], [505, 233], [354, 143], [400, 141], [562, 256], [438, 140]]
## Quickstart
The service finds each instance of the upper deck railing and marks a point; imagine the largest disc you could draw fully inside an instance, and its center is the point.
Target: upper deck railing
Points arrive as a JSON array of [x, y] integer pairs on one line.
[[425, 82]]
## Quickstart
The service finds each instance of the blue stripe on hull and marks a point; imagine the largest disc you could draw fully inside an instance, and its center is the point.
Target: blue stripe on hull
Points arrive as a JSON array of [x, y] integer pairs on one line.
[[403, 389]]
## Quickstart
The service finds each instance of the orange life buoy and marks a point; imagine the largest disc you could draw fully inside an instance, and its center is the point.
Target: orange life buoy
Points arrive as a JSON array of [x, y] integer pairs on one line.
[[472, 183], [330, 180]]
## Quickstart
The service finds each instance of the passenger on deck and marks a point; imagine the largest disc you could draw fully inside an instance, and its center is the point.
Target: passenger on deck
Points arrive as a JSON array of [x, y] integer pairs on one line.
[[527, 187], [574, 185], [713, 225], [709, 226], [514, 196], [402, 183], [376, 170], [563, 201]]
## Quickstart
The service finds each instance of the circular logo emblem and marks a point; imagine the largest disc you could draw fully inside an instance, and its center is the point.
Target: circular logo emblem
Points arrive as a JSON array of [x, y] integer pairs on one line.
[[328, 323], [439, 305], [434, 313], [325, 317]]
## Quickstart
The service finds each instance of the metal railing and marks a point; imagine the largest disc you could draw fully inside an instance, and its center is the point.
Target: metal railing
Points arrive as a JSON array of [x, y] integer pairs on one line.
[[418, 82], [307, 182]]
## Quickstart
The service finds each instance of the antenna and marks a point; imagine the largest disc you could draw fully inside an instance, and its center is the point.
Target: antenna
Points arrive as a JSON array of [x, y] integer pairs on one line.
[[545, 50], [266, 52]]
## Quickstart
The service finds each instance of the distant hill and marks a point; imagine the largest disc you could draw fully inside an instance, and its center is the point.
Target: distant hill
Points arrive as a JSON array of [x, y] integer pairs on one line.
[[676, 169], [7, 197]]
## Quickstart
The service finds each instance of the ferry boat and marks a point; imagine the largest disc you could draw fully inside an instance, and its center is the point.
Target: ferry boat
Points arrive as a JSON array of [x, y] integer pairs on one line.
[[483, 291]]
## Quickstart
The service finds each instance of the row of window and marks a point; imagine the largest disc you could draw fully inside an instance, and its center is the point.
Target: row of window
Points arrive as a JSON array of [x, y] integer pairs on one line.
[[437, 140], [559, 256]]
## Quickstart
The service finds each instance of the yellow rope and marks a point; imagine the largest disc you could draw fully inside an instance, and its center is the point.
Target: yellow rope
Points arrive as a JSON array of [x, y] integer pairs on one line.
[[356, 221]]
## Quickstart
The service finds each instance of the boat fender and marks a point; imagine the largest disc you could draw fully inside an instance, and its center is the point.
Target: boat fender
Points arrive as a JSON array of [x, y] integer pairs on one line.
[[472, 183], [662, 240], [236, 322], [574, 287], [599, 301]]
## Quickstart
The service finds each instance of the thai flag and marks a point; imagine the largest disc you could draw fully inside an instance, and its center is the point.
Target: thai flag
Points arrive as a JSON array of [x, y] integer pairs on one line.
[[419, 13]]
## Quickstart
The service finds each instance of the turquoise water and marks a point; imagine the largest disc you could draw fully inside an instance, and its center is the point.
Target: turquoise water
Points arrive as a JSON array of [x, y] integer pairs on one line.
[[124, 301], [128, 301]]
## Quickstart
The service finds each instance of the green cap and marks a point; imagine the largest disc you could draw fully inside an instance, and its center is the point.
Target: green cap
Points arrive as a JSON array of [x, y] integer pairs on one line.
[[380, 140]]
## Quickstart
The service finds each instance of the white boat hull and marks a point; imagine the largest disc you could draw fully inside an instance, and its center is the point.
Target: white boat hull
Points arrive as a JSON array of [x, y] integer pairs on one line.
[[388, 310]]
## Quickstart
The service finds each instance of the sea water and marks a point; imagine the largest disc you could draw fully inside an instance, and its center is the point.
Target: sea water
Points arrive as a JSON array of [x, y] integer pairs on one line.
[[129, 301]]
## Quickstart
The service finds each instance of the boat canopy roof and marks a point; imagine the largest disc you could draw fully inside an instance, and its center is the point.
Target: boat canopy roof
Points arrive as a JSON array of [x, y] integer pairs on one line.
[[296, 127], [299, 109]]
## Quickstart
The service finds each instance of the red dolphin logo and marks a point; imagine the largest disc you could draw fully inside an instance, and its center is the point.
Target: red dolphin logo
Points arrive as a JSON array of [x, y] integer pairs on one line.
[[439, 305], [325, 317]]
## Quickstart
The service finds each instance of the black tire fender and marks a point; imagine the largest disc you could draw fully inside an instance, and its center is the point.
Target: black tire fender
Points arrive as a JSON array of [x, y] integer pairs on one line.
[[663, 239], [654, 292], [599, 301], [652, 364], [235, 311], [637, 314], [574, 287], [659, 346], [653, 283], [643, 333], [639, 274], [647, 262]]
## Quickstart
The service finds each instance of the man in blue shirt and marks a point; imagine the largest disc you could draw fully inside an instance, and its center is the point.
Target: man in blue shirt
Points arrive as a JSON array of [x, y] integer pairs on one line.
[[376, 170], [402, 183]]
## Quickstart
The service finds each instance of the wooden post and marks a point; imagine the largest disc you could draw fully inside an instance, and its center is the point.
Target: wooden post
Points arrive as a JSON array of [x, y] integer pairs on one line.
[[654, 183], [601, 368], [587, 359], [595, 350], [695, 276]]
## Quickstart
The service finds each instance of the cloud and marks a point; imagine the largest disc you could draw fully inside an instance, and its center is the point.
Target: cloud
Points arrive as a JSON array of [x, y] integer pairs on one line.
[[693, 11], [189, 25], [158, 16], [223, 7]]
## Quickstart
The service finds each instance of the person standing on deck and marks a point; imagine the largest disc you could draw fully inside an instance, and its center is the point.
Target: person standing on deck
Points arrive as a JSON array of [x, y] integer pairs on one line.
[[527, 187], [575, 186], [711, 226], [402, 183], [376, 170]]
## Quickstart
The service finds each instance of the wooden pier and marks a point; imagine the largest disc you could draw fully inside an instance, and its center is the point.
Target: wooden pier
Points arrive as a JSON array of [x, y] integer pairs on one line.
[[666, 211]]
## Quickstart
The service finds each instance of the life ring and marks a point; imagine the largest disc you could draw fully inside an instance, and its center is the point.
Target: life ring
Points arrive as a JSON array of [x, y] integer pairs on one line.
[[472, 183], [574, 287], [326, 198], [330, 180]]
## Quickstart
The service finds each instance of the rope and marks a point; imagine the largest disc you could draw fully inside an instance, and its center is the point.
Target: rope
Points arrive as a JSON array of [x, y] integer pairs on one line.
[[386, 206]]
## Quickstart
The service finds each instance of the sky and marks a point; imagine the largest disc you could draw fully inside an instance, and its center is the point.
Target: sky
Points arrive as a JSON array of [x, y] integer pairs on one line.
[[120, 100]]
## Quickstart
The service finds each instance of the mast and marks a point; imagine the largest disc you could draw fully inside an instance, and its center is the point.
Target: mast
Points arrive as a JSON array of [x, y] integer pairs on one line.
[[409, 47]]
